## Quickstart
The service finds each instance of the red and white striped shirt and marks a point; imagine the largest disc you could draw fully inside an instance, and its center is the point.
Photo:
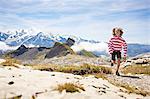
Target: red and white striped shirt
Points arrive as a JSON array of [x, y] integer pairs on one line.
[[116, 43]]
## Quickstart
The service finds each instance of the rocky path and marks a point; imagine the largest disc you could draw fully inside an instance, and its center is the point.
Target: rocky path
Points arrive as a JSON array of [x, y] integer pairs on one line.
[[139, 82]]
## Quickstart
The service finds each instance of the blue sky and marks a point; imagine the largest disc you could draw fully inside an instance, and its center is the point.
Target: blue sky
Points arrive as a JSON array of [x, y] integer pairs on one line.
[[89, 19]]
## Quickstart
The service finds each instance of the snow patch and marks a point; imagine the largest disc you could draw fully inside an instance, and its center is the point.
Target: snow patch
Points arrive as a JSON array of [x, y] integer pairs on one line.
[[31, 45]]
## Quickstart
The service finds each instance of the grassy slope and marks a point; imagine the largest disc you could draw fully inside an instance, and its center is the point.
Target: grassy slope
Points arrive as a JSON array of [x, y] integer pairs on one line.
[[87, 53]]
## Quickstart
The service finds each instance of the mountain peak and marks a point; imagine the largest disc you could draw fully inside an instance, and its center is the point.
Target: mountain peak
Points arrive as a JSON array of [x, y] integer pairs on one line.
[[3, 36], [40, 34], [61, 49], [41, 39]]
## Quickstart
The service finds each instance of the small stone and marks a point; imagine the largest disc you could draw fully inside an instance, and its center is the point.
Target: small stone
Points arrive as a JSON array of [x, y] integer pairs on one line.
[[103, 91], [122, 96], [67, 77], [53, 75], [9, 68], [11, 82]]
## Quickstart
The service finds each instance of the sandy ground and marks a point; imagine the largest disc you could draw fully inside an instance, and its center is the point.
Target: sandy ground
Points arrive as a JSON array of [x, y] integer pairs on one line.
[[27, 83], [2, 60]]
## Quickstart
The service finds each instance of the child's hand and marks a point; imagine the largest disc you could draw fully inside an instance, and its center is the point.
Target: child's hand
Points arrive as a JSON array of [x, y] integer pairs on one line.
[[124, 59]]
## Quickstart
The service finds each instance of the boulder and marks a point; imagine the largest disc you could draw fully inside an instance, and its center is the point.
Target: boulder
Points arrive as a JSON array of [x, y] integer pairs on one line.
[[60, 49]]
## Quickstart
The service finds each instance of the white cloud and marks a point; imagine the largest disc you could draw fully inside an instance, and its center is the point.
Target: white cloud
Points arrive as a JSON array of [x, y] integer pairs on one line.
[[90, 19], [93, 47], [5, 47], [103, 6]]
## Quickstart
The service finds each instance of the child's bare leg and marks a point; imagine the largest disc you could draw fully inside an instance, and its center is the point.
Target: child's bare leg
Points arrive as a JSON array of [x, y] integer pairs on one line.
[[114, 61], [118, 65]]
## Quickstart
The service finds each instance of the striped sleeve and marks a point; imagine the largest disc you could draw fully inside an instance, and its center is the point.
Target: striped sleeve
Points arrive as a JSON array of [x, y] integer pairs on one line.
[[110, 47], [125, 48]]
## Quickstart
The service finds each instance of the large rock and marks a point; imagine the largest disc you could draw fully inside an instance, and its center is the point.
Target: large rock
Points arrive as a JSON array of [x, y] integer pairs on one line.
[[70, 42], [60, 49], [24, 53], [22, 49], [141, 59]]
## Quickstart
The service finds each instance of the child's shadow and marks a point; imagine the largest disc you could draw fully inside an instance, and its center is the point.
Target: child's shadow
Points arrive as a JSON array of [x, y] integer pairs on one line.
[[135, 77]]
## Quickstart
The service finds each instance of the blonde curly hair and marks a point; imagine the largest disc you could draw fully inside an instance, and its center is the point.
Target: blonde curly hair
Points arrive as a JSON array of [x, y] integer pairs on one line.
[[116, 31]]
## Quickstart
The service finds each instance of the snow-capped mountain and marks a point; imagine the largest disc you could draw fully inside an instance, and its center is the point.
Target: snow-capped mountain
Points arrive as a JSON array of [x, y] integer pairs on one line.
[[39, 39], [33, 39], [43, 40], [12, 40], [18, 38], [3, 36]]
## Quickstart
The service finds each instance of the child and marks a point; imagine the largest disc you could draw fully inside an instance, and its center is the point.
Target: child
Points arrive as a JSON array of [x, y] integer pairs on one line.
[[115, 45]]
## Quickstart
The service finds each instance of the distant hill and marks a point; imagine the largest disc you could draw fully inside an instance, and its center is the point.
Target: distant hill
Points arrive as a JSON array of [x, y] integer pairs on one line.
[[60, 49], [136, 49], [25, 53], [86, 53]]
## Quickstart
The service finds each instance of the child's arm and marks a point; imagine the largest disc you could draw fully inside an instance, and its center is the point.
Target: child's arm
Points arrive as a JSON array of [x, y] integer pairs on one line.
[[125, 49], [110, 47]]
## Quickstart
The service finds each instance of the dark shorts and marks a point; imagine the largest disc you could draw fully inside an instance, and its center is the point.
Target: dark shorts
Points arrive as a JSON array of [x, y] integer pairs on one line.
[[114, 54]]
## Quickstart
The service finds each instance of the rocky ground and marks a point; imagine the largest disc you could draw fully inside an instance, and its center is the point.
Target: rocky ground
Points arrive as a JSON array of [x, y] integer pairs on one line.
[[79, 60], [28, 84], [70, 60], [141, 82], [25, 83]]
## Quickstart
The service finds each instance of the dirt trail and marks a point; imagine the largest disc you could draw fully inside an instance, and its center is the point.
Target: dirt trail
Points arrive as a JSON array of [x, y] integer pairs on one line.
[[140, 82]]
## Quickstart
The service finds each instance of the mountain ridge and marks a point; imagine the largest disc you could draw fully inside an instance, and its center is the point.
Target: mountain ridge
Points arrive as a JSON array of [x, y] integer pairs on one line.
[[40, 39]]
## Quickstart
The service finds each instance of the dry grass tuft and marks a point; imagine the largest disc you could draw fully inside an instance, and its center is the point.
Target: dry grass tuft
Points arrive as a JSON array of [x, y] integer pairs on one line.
[[100, 75], [10, 62], [137, 69], [77, 70], [43, 67], [69, 87]]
